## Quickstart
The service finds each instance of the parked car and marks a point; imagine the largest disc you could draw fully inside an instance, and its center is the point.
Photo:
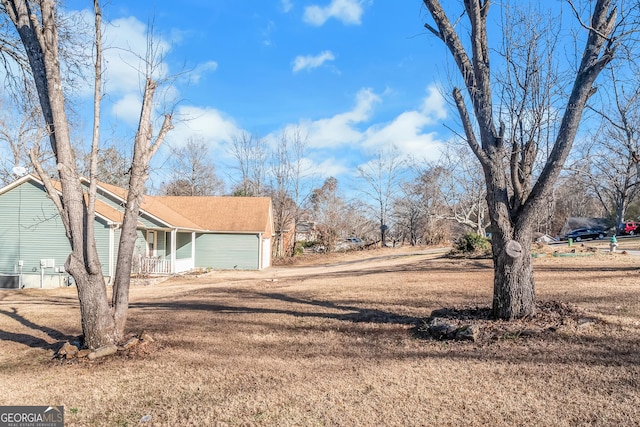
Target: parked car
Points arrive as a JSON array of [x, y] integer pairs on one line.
[[354, 241], [580, 234], [349, 243], [630, 227]]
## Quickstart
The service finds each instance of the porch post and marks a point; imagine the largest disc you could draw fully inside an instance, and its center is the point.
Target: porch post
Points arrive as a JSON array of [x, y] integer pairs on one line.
[[174, 233]]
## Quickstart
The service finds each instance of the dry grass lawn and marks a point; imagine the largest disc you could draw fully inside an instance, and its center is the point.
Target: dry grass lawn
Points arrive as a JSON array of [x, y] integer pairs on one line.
[[332, 344]]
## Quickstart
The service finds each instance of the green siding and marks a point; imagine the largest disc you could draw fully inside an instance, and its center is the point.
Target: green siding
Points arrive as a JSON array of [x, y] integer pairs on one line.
[[31, 230], [102, 244], [183, 245], [227, 251]]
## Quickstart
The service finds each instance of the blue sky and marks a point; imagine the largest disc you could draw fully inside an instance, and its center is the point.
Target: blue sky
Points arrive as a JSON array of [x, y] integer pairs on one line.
[[356, 76]]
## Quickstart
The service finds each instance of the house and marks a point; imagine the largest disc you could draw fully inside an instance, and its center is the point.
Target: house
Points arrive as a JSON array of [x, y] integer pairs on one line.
[[175, 234], [306, 231]]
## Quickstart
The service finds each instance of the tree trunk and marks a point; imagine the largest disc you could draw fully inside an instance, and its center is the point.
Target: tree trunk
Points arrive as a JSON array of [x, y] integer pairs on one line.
[[126, 247], [101, 324], [98, 326], [621, 211], [143, 150], [513, 284]]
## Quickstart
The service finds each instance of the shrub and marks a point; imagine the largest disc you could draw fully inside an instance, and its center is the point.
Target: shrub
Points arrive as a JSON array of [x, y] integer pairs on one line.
[[472, 243], [299, 249]]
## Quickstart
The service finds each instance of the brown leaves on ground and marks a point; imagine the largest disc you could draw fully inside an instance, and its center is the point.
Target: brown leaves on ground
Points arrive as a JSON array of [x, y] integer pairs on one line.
[[551, 317]]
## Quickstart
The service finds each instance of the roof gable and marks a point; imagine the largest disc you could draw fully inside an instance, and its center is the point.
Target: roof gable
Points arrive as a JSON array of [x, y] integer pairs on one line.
[[103, 210]]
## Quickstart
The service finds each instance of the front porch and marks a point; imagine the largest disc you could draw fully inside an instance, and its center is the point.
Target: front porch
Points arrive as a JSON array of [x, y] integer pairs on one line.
[[164, 252]]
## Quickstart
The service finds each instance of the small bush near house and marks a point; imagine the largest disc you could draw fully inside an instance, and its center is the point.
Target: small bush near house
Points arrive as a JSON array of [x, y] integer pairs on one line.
[[299, 250]]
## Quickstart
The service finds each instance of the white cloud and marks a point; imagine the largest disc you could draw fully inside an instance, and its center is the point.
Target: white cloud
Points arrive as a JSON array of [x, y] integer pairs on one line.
[[287, 5], [331, 167], [347, 11], [127, 109], [310, 62], [202, 69], [125, 48], [406, 130], [434, 105], [406, 133], [208, 124], [340, 129], [266, 33]]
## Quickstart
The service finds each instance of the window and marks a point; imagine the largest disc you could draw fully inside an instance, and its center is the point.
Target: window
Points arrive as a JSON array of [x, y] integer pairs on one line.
[[151, 243]]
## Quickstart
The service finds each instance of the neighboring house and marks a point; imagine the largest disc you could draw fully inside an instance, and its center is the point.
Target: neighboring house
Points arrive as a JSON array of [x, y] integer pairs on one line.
[[306, 231], [175, 234]]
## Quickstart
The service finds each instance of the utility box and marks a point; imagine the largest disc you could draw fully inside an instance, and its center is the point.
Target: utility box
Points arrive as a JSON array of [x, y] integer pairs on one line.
[[47, 263]]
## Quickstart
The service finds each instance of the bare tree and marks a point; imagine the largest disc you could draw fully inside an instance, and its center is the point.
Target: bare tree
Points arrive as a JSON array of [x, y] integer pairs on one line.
[[112, 165], [287, 189], [193, 173], [507, 159], [327, 208], [609, 162], [18, 133], [251, 154], [464, 191], [103, 322], [420, 206], [573, 198], [381, 177]]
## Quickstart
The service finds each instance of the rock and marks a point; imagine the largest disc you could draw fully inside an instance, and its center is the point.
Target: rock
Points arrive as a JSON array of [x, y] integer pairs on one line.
[[83, 353], [441, 329], [103, 351], [145, 337], [145, 419], [468, 333], [67, 351], [131, 343]]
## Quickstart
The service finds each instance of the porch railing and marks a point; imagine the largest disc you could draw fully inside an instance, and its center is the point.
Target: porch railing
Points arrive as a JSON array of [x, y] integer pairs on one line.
[[157, 265], [152, 265]]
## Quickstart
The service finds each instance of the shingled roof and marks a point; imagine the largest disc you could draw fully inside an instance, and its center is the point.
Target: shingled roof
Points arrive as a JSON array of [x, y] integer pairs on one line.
[[207, 213], [223, 214]]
